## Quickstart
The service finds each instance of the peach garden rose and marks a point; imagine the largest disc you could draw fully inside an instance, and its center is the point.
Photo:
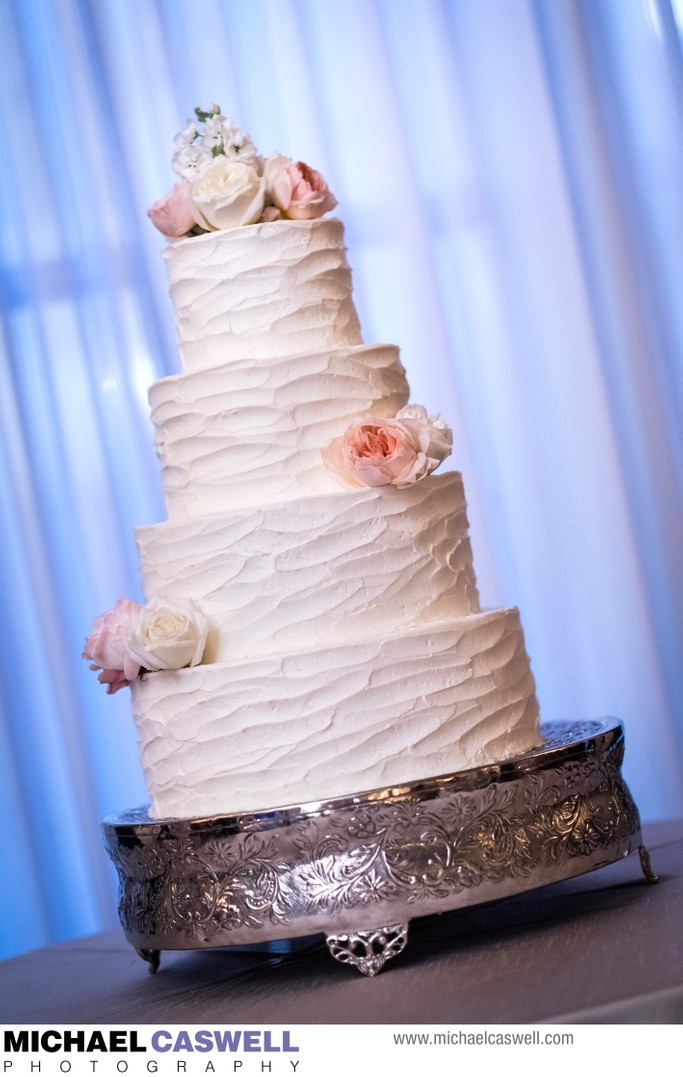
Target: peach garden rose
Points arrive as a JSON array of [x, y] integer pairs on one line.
[[381, 452]]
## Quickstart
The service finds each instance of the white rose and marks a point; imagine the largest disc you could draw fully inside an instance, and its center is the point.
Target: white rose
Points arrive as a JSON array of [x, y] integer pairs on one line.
[[226, 194], [440, 435], [167, 635], [413, 411]]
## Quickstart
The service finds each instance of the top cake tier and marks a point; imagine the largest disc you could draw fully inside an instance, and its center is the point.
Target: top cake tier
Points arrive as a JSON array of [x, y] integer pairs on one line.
[[274, 289]]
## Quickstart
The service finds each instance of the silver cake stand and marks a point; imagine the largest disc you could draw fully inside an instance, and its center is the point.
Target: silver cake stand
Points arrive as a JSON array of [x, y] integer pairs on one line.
[[358, 868]]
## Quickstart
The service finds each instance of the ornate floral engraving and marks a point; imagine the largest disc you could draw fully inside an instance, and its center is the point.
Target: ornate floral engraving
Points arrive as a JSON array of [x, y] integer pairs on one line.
[[200, 888], [377, 858]]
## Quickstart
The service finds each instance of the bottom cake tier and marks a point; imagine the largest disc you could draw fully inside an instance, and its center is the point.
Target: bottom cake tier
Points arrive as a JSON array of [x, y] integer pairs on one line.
[[283, 729]]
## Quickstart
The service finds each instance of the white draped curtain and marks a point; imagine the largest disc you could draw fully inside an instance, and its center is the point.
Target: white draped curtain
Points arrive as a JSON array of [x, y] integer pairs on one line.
[[510, 173]]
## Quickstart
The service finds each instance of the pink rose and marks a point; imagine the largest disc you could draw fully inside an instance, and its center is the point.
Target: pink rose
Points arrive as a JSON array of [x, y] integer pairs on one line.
[[106, 645], [172, 214], [379, 452], [299, 191], [113, 678]]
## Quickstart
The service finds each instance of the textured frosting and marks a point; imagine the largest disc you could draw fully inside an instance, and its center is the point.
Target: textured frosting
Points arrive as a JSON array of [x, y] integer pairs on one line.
[[296, 728], [251, 431], [318, 571], [346, 649], [274, 289]]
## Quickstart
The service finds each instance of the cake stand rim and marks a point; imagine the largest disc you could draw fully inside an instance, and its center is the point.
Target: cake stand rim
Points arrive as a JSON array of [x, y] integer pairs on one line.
[[561, 740]]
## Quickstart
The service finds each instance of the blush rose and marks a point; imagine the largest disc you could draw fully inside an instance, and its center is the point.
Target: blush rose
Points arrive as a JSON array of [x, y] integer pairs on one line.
[[172, 214], [382, 452], [106, 647], [296, 189], [113, 678]]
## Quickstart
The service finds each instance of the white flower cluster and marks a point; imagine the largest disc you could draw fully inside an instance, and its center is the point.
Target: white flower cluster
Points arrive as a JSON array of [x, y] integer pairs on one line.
[[223, 183], [196, 147]]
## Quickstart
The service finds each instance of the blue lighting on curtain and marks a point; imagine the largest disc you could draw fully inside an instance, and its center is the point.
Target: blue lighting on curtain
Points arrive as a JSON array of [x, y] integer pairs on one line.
[[510, 177]]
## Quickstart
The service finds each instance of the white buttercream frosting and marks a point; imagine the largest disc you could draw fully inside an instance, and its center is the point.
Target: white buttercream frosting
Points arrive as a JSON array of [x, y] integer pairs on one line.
[[265, 290], [318, 571], [295, 728], [346, 650], [250, 432]]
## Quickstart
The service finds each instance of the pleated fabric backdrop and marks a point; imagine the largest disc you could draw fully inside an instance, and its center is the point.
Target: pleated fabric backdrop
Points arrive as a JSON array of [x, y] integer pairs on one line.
[[510, 173]]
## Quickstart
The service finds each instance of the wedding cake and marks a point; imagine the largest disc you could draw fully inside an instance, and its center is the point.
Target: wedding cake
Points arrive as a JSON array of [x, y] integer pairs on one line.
[[312, 625]]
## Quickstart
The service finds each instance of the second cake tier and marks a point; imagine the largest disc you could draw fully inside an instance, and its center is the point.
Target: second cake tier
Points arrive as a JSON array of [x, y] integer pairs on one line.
[[320, 570], [251, 431]]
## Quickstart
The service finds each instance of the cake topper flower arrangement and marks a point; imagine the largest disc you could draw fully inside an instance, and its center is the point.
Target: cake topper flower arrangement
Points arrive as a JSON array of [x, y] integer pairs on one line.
[[224, 183], [382, 452], [130, 639]]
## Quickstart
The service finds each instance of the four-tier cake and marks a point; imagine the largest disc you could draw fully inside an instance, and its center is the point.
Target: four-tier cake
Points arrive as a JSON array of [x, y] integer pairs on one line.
[[312, 625]]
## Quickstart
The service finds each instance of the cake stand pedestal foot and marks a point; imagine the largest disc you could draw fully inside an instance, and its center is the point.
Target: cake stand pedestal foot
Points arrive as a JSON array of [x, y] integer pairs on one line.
[[646, 866], [152, 957], [368, 951]]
